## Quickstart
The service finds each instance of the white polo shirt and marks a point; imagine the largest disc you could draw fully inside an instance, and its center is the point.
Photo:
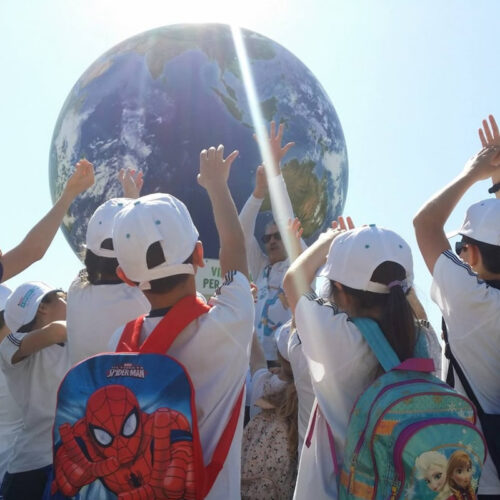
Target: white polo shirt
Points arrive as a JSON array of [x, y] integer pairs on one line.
[[471, 310], [33, 383], [94, 312], [10, 423], [214, 349]]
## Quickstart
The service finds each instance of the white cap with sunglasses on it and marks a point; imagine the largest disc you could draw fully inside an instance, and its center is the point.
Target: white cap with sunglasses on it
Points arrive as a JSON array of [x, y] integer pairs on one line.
[[355, 254], [22, 304], [482, 222], [155, 218]]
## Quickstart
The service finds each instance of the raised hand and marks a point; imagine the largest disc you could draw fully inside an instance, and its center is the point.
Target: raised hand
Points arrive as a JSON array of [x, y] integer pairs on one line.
[[81, 179], [277, 151], [484, 164], [214, 168], [490, 137], [131, 182], [489, 134]]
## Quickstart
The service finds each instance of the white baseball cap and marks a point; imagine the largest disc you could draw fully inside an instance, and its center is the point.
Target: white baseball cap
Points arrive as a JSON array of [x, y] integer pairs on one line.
[[22, 304], [482, 222], [154, 218], [355, 254], [100, 226]]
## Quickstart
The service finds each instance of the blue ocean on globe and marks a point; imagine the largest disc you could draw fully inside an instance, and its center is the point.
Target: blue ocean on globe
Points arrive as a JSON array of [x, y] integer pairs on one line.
[[154, 101]]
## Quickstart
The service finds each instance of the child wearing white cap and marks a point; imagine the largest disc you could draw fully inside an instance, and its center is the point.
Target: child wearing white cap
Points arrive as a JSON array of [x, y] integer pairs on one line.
[[34, 359], [466, 287], [10, 413], [157, 248], [369, 269], [98, 301], [38, 240]]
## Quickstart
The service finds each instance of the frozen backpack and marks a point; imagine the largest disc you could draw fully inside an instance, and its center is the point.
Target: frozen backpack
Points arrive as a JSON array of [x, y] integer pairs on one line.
[[126, 425], [410, 435]]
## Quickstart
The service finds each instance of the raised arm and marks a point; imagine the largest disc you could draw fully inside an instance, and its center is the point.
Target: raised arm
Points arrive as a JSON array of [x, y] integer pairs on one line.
[[248, 215], [53, 333], [38, 240], [490, 136], [213, 176], [302, 271], [431, 218]]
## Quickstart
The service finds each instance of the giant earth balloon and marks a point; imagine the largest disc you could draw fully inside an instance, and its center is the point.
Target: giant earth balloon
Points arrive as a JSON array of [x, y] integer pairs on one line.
[[155, 100]]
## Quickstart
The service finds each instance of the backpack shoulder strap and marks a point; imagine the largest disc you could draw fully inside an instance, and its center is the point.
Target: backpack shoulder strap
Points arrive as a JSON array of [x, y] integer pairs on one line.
[[375, 338], [222, 448], [383, 351], [177, 318], [130, 336], [458, 369], [182, 313]]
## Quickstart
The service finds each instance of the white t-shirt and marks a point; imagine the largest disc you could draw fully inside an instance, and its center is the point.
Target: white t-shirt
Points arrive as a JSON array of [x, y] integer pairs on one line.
[[471, 310], [303, 384], [342, 366], [94, 312], [33, 383], [10, 423], [271, 308], [215, 352]]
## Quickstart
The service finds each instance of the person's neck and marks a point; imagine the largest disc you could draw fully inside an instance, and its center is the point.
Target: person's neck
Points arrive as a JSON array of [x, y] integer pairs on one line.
[[487, 276], [168, 299]]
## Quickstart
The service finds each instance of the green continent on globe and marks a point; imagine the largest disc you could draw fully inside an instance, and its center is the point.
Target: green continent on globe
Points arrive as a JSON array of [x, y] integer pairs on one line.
[[308, 194]]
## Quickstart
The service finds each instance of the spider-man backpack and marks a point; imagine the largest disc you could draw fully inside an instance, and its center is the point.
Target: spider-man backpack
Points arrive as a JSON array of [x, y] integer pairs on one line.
[[126, 426]]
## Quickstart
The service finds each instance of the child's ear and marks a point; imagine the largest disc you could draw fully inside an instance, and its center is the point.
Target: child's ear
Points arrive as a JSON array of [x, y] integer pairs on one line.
[[198, 255], [121, 274]]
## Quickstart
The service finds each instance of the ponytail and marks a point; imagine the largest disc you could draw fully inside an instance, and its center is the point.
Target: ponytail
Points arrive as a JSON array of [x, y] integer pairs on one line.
[[395, 318]]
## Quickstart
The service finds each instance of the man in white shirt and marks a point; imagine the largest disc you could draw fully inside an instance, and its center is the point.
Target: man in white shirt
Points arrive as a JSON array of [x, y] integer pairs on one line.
[[268, 268], [467, 289]]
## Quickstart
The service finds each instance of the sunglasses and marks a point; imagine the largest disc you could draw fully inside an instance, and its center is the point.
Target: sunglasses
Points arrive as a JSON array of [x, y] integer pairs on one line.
[[460, 246], [266, 238]]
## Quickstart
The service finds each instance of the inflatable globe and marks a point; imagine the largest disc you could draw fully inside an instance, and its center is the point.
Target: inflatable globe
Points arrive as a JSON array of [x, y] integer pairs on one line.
[[154, 101]]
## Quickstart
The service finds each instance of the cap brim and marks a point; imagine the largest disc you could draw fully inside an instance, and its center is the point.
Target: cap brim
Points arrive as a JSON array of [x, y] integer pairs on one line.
[[452, 234]]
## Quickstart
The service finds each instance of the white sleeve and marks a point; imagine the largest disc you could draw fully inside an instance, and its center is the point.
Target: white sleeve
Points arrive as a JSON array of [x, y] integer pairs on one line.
[[462, 297], [255, 257], [233, 308], [10, 346], [281, 204]]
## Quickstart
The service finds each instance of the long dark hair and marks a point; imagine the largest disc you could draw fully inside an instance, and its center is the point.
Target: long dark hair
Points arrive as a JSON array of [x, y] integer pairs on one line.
[[396, 317]]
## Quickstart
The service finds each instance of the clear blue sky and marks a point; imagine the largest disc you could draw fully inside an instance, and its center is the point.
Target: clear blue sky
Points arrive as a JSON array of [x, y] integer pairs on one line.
[[410, 80]]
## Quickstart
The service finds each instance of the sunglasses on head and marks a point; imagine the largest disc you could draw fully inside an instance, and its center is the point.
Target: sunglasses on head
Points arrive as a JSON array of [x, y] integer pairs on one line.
[[460, 246], [266, 238]]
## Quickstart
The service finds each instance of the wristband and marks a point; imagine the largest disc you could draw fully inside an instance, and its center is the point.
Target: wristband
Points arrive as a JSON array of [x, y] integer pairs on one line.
[[494, 188]]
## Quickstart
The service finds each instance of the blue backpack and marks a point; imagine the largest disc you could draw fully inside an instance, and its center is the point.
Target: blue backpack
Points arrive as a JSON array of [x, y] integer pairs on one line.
[[126, 424], [410, 435]]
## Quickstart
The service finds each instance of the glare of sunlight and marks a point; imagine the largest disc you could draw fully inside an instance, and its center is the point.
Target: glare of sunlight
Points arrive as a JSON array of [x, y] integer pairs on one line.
[[261, 133]]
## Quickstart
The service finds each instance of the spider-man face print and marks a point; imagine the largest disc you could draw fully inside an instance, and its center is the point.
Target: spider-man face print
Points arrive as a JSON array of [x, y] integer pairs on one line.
[[114, 423]]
